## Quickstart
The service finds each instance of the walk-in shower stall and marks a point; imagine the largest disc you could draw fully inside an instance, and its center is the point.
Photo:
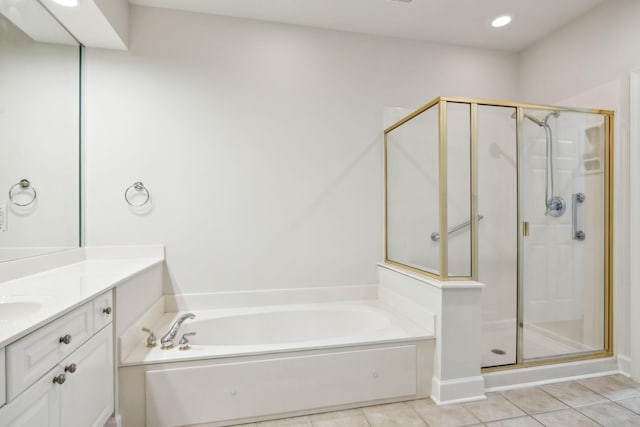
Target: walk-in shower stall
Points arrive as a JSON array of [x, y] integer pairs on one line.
[[518, 197]]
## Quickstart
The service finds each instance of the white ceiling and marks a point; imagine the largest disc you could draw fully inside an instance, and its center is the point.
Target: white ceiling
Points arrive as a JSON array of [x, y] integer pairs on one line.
[[461, 22]]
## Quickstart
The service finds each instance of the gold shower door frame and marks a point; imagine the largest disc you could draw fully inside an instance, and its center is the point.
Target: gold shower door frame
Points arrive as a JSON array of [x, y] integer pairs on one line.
[[443, 225]]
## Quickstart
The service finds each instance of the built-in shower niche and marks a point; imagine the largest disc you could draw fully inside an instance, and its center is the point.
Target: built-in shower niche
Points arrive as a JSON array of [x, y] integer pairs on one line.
[[593, 156], [517, 197]]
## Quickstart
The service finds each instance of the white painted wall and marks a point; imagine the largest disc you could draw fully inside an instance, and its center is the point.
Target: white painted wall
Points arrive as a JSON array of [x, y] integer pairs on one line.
[[587, 63], [260, 143], [116, 12]]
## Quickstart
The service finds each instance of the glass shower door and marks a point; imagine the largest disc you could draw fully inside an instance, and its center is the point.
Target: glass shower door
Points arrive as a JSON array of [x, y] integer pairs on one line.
[[562, 212], [497, 232]]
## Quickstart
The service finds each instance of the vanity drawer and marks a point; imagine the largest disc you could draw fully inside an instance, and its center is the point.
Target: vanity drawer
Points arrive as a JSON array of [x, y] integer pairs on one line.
[[102, 310], [32, 356]]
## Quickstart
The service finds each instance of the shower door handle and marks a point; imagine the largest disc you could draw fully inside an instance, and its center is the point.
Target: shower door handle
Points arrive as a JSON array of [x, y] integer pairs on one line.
[[577, 199]]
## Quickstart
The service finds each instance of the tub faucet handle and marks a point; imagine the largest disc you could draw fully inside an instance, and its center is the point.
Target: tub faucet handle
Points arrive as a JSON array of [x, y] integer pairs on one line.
[[151, 339], [183, 344]]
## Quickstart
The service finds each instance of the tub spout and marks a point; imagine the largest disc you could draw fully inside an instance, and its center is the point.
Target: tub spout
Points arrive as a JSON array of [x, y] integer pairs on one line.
[[167, 339]]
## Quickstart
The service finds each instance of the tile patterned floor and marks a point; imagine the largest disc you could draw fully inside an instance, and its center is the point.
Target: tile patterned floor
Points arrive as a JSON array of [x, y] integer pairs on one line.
[[604, 401]]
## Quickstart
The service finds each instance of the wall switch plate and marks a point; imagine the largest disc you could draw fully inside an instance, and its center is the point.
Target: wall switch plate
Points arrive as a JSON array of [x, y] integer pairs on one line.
[[3, 216]]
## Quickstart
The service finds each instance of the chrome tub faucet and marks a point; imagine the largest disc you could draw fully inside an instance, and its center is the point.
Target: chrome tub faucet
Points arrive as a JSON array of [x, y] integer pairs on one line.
[[166, 341]]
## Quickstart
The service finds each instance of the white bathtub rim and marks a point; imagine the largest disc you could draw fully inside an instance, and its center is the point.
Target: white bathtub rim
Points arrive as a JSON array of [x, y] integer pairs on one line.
[[175, 355], [402, 331]]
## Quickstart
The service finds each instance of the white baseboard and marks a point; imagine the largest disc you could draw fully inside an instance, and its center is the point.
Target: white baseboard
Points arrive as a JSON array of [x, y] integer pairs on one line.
[[459, 390], [624, 364]]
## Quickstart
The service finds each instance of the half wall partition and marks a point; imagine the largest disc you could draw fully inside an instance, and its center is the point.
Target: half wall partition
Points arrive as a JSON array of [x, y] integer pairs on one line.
[[518, 197]]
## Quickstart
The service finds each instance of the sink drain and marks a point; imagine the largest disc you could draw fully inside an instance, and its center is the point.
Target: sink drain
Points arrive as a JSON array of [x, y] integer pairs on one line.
[[498, 351]]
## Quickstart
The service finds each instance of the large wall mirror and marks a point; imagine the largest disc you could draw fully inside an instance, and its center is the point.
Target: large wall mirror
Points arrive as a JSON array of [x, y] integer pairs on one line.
[[39, 133]]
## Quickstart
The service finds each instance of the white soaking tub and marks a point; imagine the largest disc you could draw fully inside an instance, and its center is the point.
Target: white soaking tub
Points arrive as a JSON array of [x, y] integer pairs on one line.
[[256, 363]]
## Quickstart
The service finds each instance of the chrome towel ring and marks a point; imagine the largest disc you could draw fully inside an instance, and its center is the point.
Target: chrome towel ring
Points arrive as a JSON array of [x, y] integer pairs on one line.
[[23, 185], [137, 186]]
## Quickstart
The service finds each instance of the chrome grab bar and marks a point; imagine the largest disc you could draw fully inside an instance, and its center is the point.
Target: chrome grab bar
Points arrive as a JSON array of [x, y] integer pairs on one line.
[[435, 236], [578, 198]]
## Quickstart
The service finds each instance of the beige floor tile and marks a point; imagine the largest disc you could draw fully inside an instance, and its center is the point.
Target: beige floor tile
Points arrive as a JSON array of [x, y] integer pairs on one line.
[[287, 422], [533, 400], [243, 425], [611, 414], [516, 422], [393, 415], [573, 394], [443, 416], [565, 418], [614, 387], [351, 418], [494, 408], [631, 404]]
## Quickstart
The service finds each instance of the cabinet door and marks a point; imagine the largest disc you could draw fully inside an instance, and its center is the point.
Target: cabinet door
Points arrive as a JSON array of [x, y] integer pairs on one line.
[[38, 406], [102, 310], [87, 395]]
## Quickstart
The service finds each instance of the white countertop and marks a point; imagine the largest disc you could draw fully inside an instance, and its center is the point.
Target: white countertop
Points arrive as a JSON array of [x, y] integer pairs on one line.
[[58, 291]]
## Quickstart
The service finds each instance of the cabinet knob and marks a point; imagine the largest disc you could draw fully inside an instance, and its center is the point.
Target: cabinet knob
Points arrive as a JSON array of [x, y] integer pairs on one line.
[[107, 310], [60, 379], [66, 339], [71, 368]]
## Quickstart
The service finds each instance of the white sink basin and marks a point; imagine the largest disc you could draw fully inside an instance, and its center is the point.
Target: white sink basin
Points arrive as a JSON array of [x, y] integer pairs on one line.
[[15, 307]]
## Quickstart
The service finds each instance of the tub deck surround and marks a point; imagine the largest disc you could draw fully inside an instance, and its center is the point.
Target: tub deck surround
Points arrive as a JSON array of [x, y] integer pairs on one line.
[[236, 332], [267, 297], [42, 296], [456, 306]]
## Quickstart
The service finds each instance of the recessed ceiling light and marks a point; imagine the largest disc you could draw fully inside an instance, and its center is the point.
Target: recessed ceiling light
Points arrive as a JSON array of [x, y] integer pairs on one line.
[[501, 21], [67, 3]]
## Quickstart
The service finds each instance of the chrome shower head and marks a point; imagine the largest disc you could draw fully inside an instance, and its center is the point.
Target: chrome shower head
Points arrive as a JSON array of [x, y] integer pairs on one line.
[[553, 114]]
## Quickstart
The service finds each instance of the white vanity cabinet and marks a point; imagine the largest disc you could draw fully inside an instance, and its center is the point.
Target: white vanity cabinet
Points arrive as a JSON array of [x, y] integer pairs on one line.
[[38, 406], [62, 374], [86, 397]]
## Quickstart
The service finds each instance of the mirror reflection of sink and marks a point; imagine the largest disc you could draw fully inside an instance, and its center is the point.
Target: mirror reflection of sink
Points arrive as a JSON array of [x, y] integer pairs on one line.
[[15, 307]]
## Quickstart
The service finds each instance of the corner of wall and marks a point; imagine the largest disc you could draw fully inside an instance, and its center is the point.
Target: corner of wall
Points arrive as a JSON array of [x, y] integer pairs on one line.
[[117, 14]]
